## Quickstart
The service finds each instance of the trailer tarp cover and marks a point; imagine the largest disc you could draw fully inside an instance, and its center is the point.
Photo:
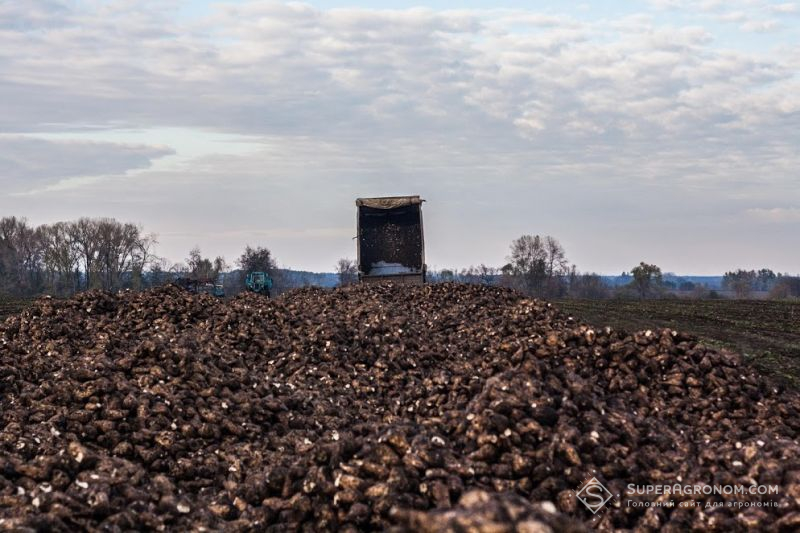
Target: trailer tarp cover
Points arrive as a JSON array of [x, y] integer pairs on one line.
[[388, 202]]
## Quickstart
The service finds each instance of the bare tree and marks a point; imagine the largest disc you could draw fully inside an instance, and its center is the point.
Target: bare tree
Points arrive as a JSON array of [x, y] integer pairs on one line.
[[119, 246], [84, 235], [199, 266], [8, 254], [103, 252], [61, 259], [347, 271], [557, 263], [31, 252], [536, 265], [21, 256], [220, 265], [143, 256], [528, 263]]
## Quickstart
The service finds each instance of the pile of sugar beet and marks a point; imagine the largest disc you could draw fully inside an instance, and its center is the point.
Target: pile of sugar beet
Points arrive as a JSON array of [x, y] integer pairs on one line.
[[430, 408]]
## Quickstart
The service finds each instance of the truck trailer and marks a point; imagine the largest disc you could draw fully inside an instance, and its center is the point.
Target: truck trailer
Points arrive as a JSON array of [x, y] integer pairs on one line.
[[390, 240]]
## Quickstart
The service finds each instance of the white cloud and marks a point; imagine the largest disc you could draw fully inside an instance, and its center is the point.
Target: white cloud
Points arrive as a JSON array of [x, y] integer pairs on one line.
[[761, 26], [788, 8], [778, 215], [755, 16], [272, 68]]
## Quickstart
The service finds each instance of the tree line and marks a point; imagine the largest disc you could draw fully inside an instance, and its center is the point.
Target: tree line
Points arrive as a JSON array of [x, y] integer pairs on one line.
[[103, 253], [66, 257], [746, 282], [538, 266]]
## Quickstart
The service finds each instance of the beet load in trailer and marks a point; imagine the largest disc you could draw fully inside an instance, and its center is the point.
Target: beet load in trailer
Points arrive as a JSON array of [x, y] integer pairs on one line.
[[390, 239]]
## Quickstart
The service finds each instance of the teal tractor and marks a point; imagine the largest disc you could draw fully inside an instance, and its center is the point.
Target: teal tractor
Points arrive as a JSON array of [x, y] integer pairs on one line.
[[258, 282]]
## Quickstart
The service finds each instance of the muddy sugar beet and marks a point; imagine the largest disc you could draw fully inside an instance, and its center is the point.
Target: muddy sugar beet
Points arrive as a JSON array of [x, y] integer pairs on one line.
[[434, 408]]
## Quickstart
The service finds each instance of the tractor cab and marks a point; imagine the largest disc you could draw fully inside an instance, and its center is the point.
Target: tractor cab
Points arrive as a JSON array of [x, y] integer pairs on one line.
[[258, 282]]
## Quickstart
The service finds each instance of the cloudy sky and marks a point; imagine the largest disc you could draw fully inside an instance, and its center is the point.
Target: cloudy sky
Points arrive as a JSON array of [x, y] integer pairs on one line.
[[665, 131]]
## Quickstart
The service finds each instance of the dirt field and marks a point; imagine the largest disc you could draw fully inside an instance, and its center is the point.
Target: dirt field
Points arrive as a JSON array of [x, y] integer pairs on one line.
[[766, 332]]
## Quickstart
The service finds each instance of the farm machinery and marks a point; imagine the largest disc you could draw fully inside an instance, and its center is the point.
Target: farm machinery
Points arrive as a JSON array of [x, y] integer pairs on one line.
[[202, 285], [258, 282]]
